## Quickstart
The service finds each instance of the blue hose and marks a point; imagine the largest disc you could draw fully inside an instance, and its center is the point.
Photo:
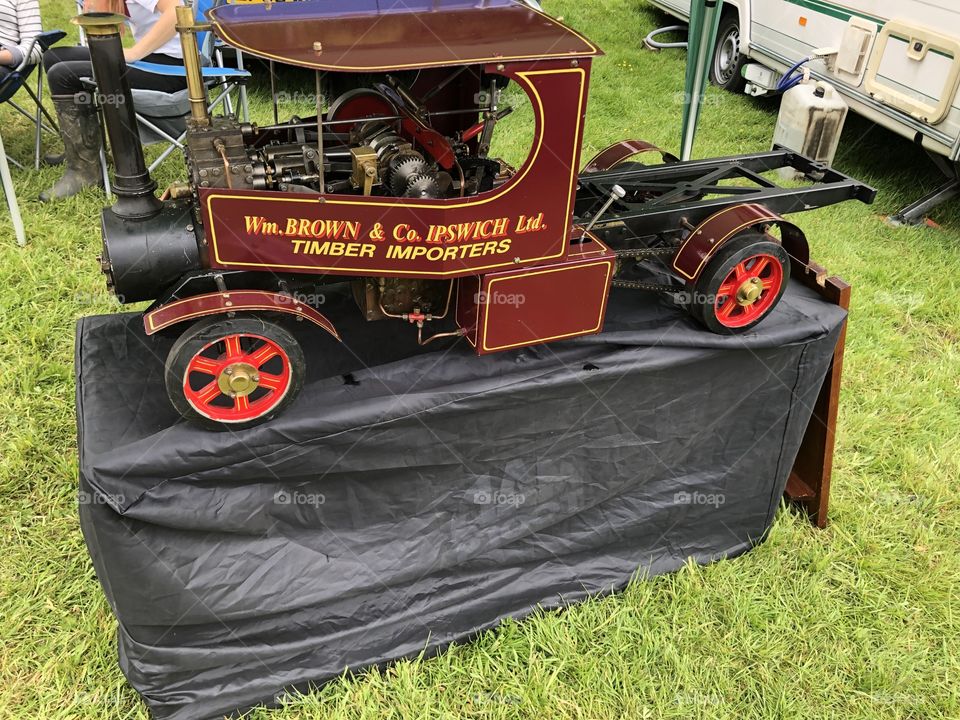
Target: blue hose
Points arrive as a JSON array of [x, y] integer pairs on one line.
[[791, 84], [790, 80]]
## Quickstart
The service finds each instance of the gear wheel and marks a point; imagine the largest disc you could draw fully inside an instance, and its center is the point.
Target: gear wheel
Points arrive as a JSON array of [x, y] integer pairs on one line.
[[423, 186], [403, 171]]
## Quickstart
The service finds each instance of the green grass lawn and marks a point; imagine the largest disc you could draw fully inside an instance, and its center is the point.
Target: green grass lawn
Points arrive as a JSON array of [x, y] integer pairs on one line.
[[861, 620]]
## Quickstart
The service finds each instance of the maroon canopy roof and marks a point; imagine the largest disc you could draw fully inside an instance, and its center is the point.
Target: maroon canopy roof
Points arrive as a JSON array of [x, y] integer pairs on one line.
[[380, 35]]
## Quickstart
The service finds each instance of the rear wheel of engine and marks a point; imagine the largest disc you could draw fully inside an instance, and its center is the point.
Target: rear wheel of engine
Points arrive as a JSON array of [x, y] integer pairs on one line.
[[234, 372], [741, 284]]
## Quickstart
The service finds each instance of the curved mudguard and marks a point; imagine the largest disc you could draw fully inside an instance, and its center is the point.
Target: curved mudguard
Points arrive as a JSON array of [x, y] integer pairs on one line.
[[618, 152], [710, 235], [231, 301]]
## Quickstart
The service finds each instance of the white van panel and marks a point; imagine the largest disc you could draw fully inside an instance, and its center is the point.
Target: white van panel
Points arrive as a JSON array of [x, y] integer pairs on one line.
[[916, 70], [780, 32]]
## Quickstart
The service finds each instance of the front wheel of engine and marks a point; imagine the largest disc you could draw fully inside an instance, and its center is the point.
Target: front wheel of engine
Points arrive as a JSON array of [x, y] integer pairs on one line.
[[741, 284], [237, 372]]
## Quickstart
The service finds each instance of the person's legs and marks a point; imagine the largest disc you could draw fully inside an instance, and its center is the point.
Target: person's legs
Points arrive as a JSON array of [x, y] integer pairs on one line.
[[79, 125], [67, 68], [59, 53]]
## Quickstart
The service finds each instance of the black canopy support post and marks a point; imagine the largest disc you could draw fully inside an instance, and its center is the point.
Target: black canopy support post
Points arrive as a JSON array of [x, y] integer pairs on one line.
[[321, 162], [273, 93]]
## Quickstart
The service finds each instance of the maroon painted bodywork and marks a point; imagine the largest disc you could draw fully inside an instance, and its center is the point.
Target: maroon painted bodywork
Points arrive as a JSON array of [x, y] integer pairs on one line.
[[524, 222], [618, 152], [232, 301], [516, 308], [720, 227], [381, 35]]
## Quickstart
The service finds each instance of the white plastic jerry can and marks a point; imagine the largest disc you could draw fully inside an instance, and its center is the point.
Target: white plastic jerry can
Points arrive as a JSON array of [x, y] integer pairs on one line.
[[811, 119]]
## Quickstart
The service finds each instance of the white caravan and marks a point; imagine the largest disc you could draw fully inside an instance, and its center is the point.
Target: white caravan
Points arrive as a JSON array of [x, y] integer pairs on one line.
[[896, 62]]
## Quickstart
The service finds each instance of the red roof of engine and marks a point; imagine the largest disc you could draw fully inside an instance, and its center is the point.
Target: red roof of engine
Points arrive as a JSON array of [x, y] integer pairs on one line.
[[382, 35]]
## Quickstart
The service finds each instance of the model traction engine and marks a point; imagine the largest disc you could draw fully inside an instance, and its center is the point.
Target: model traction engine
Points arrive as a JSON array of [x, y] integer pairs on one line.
[[392, 188]]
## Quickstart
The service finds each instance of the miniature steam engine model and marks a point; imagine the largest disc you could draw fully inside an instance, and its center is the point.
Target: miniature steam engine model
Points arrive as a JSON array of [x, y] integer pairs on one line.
[[391, 186]]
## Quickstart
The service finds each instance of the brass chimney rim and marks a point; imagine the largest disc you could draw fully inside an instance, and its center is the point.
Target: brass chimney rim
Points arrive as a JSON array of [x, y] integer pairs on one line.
[[99, 23]]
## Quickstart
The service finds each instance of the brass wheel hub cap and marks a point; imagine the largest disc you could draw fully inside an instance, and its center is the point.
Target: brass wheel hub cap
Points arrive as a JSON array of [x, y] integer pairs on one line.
[[238, 379], [749, 291]]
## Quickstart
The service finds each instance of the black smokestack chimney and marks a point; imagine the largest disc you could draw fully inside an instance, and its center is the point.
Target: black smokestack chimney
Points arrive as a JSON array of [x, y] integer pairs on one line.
[[132, 183]]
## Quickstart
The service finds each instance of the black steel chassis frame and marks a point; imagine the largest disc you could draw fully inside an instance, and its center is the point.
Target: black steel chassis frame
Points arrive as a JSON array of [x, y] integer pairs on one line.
[[684, 194]]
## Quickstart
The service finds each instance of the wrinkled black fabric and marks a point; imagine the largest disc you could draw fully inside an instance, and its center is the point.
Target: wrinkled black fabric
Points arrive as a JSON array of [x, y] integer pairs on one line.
[[436, 492]]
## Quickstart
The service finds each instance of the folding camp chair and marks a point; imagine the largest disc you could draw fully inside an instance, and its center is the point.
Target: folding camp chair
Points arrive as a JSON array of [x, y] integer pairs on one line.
[[9, 85], [11, 195], [17, 79], [218, 46]]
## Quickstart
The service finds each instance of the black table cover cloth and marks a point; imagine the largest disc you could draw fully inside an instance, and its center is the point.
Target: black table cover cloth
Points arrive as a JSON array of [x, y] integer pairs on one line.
[[415, 496]]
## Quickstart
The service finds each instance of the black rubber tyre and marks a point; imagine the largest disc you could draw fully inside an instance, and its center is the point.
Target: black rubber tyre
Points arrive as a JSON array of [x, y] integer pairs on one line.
[[219, 352], [727, 64], [721, 281]]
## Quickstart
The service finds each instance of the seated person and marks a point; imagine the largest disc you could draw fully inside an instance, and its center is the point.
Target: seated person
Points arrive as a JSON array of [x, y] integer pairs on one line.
[[155, 40], [19, 24]]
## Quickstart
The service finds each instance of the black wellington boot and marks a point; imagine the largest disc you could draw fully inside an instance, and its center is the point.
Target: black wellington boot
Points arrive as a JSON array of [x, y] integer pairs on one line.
[[80, 130]]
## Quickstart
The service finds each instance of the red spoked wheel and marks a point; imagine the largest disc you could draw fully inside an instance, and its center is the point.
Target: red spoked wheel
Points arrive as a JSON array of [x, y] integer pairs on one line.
[[234, 372], [741, 284], [748, 291]]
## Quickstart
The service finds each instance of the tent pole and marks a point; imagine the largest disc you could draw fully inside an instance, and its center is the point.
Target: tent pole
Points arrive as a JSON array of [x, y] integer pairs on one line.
[[704, 22]]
